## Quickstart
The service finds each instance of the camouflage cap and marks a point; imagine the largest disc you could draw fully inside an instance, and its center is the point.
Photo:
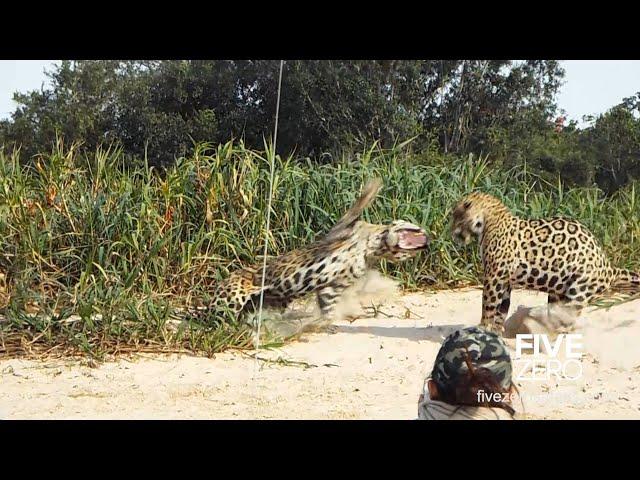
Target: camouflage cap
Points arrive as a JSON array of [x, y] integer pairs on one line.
[[485, 350]]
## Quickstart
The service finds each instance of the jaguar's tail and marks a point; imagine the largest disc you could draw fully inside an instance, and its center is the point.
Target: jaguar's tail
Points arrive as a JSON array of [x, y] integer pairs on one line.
[[625, 281], [344, 225]]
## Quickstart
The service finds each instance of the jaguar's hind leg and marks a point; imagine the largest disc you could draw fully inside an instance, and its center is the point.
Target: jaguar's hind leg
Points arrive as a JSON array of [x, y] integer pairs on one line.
[[234, 296], [564, 309]]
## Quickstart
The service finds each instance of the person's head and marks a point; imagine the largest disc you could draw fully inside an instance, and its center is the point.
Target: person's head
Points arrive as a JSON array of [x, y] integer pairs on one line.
[[473, 367]]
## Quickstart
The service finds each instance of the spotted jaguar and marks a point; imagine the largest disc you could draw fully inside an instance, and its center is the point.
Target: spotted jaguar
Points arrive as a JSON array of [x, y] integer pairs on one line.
[[557, 255], [326, 267]]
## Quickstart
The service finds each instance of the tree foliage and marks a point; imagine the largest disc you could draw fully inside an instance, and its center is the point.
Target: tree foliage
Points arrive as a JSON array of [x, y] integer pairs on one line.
[[159, 109]]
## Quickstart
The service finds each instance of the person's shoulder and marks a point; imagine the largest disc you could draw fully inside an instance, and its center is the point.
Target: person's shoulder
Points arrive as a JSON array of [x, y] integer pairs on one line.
[[436, 410], [481, 413]]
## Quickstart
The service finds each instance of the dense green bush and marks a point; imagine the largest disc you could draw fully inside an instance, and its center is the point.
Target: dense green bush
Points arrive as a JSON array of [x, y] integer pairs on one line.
[[122, 244]]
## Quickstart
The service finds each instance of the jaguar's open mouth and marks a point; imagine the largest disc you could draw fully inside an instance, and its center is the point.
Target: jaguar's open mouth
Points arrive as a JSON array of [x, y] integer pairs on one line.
[[412, 239], [407, 241]]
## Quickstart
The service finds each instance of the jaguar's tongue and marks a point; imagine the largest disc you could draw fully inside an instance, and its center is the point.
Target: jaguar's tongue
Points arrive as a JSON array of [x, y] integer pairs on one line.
[[412, 239]]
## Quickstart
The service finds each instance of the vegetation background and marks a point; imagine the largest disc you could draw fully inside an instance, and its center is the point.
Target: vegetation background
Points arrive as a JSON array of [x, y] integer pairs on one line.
[[128, 188]]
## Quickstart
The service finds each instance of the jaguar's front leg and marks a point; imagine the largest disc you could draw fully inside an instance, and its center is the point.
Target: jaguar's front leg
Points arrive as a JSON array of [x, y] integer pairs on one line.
[[327, 300], [496, 299]]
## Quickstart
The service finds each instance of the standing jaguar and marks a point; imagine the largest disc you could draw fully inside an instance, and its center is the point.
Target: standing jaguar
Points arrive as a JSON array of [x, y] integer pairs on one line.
[[556, 255], [326, 267]]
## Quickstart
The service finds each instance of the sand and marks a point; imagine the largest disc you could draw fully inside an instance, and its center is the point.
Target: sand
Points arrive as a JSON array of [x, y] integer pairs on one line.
[[372, 368]]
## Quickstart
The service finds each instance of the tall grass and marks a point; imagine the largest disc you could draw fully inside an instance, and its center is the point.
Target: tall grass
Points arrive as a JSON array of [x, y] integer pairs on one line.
[[98, 251]]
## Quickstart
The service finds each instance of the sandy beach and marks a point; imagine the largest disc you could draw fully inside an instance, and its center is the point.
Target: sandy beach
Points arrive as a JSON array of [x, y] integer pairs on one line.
[[372, 368]]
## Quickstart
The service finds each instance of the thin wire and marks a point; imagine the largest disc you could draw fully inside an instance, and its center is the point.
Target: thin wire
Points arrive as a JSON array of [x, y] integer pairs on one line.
[[266, 235]]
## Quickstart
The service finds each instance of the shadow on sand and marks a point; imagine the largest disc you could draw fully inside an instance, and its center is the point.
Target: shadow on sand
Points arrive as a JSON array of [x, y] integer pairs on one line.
[[435, 333]]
